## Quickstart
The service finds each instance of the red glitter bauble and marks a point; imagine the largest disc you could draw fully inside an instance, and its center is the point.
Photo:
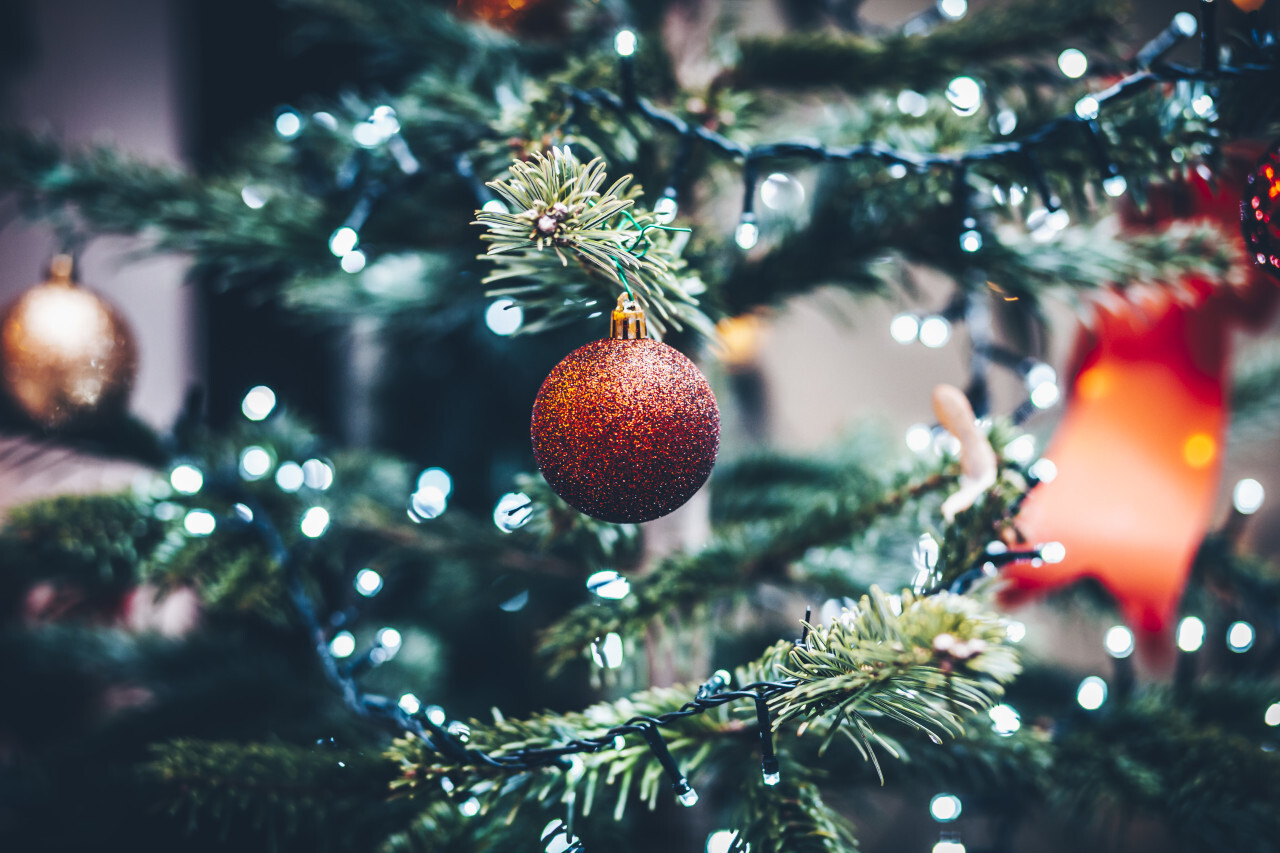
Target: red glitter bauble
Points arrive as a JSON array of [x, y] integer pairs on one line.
[[1258, 211], [625, 430]]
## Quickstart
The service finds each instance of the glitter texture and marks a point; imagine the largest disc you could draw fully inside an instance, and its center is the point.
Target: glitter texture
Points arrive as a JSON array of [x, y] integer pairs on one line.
[[625, 430], [1259, 205]]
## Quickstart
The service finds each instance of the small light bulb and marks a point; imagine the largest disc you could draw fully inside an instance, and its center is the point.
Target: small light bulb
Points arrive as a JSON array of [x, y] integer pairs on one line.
[[317, 474], [253, 198], [664, 210], [1053, 552], [1092, 693], [897, 171], [780, 191], [953, 10], [409, 703], [721, 841], [609, 584], [1272, 717], [469, 807], [186, 479], [748, 233], [289, 477], [1087, 107], [368, 582], [1005, 720], [772, 779], [390, 639], [354, 261], [199, 522], [1119, 641], [1043, 470], [935, 331], [1240, 637], [255, 462], [1247, 496], [512, 511], [1203, 106], [436, 714], [342, 644], [258, 402], [315, 522], [504, 317], [965, 95], [288, 123], [427, 503], [1021, 449], [1015, 631], [945, 807], [1115, 186], [919, 438], [688, 797], [1045, 395], [343, 240], [904, 328], [1190, 634], [625, 43], [971, 241], [494, 205], [1073, 63], [912, 103]]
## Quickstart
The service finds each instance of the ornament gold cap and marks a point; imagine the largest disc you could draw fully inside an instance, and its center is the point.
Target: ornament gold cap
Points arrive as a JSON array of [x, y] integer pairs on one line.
[[61, 268], [627, 321]]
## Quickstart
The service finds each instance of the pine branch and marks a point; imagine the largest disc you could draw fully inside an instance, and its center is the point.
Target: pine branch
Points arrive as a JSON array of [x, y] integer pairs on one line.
[[743, 553], [791, 817], [858, 64], [1255, 393], [560, 206]]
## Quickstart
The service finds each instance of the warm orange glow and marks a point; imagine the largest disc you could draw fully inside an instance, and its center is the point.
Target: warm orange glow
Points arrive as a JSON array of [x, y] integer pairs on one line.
[[1199, 450], [1093, 383], [1270, 172], [739, 342], [1274, 190]]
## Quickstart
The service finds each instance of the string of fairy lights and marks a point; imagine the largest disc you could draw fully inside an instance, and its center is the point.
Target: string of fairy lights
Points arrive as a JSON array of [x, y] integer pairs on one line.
[[380, 132]]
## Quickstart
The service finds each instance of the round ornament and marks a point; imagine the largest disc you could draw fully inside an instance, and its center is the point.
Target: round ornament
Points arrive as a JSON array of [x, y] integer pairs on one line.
[[1249, 5], [67, 355], [626, 428], [1258, 209]]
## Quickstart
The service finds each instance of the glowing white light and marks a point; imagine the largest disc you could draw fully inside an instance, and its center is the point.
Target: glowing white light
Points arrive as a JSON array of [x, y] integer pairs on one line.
[[368, 582], [515, 603], [771, 779], [781, 192], [1005, 720], [747, 235], [437, 477], [186, 479], [1118, 641], [609, 584], [1058, 220], [1006, 121], [367, 135], [199, 522], [289, 477], [1115, 186], [1202, 106], [904, 328], [721, 840], [1240, 637], [1190, 634], [965, 95], [897, 171], [503, 316], [1053, 552], [436, 714], [945, 807], [470, 807], [325, 120], [665, 208], [427, 502], [258, 403], [354, 261], [1021, 449], [1045, 395], [1043, 470], [688, 798], [343, 240], [317, 474], [243, 512], [609, 652], [1015, 631], [935, 331], [947, 846], [512, 511], [1087, 107], [1186, 23], [288, 124], [1247, 496], [494, 205], [625, 43], [1092, 693], [971, 241], [409, 704], [315, 522], [253, 198], [255, 462], [342, 644], [953, 10], [1272, 717], [1073, 63], [912, 103], [1040, 373], [919, 437], [390, 639]]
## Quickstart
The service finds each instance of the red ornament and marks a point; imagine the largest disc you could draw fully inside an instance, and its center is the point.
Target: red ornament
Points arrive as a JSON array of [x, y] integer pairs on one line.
[[1259, 205], [625, 429]]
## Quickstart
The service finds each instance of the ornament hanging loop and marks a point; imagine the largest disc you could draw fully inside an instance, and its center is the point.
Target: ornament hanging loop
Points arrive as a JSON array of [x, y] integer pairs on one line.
[[627, 321]]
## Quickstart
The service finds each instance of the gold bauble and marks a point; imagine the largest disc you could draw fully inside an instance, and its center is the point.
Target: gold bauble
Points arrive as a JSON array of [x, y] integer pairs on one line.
[[68, 356]]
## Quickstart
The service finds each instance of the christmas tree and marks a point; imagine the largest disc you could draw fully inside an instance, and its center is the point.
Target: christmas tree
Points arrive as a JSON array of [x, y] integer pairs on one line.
[[522, 503]]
